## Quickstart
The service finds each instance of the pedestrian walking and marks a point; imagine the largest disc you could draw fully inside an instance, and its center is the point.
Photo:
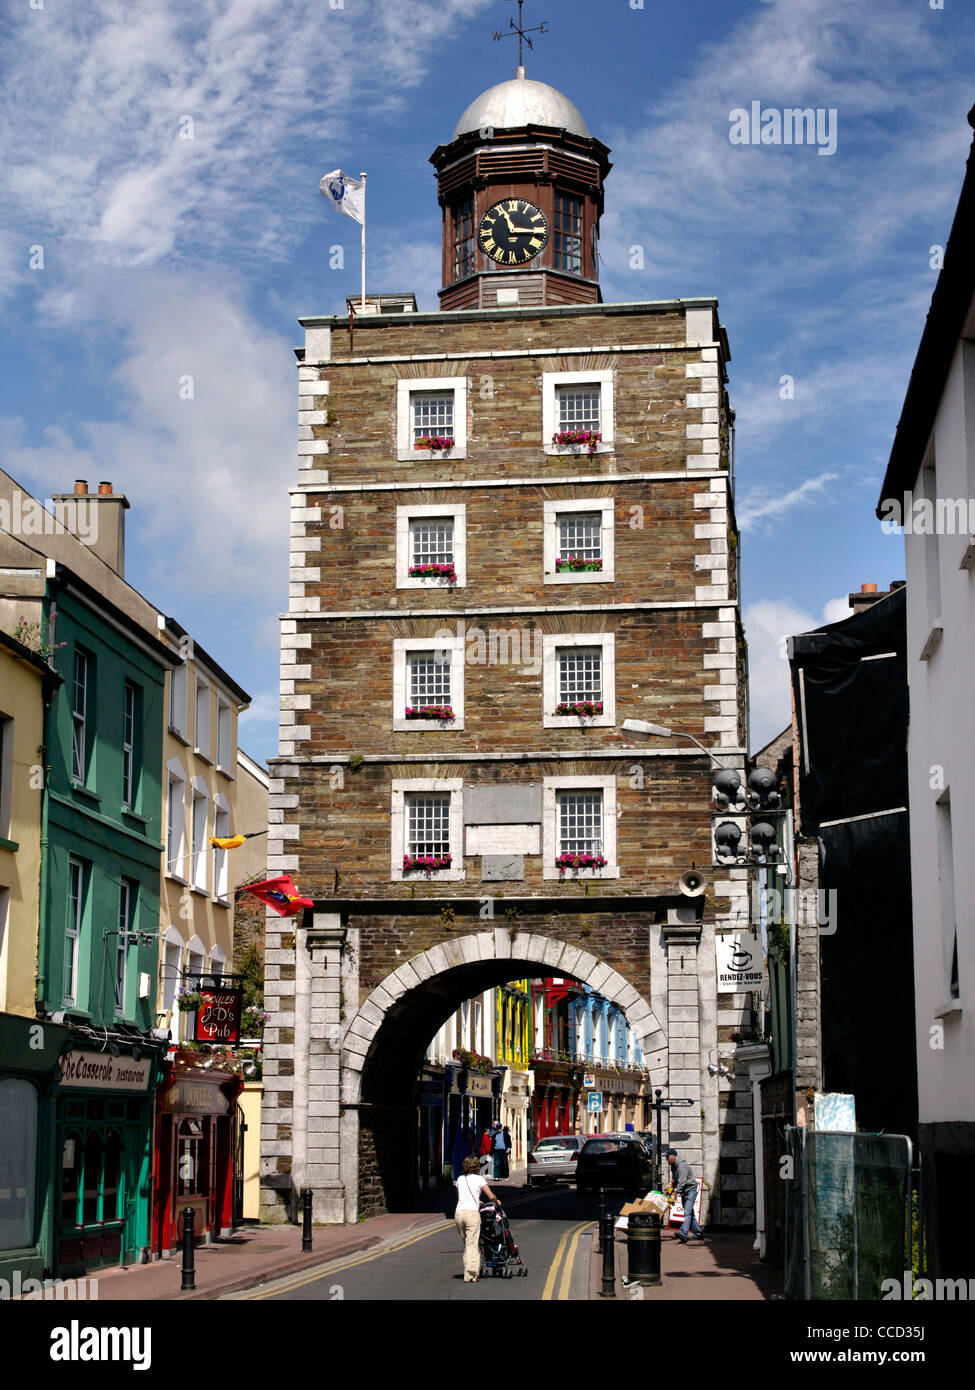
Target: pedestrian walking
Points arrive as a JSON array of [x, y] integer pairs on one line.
[[507, 1150], [498, 1151], [485, 1153], [467, 1217], [684, 1182]]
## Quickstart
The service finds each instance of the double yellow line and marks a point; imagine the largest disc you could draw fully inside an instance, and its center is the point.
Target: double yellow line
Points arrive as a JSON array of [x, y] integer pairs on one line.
[[565, 1255], [338, 1266]]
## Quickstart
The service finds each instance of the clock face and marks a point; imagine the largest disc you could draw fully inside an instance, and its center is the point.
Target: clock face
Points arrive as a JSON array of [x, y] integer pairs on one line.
[[512, 232]]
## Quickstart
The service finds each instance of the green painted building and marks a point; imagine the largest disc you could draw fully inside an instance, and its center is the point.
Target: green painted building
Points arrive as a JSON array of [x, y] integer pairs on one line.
[[99, 919]]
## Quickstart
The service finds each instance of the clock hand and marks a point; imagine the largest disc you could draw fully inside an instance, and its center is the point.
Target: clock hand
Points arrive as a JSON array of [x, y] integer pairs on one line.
[[507, 218]]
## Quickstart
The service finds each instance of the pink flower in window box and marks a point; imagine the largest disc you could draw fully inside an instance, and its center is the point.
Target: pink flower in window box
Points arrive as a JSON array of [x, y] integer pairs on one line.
[[432, 571], [430, 712], [577, 563], [434, 441], [585, 709], [588, 437], [426, 862], [582, 860]]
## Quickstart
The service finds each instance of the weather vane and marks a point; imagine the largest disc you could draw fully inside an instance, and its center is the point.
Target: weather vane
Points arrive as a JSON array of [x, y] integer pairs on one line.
[[521, 31]]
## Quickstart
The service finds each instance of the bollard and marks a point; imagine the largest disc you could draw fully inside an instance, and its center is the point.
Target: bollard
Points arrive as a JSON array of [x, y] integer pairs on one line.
[[306, 1221], [608, 1289], [643, 1248], [189, 1268], [602, 1218]]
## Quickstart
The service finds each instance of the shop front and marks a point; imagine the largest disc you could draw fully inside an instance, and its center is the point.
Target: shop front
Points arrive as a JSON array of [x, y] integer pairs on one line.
[[430, 1088], [555, 1099], [196, 1130], [104, 1139], [29, 1051], [622, 1094], [472, 1104]]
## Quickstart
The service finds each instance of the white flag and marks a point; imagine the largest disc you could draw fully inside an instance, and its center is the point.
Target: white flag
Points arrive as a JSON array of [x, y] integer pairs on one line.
[[345, 194]]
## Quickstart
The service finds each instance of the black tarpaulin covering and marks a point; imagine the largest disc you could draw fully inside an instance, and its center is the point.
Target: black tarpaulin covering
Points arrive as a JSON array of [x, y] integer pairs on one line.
[[852, 714]]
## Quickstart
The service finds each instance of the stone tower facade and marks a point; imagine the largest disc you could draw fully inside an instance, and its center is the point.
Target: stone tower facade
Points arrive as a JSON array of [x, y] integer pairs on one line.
[[475, 610]]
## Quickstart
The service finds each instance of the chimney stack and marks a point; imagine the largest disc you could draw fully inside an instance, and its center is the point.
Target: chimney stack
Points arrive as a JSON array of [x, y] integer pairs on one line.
[[867, 597], [97, 519]]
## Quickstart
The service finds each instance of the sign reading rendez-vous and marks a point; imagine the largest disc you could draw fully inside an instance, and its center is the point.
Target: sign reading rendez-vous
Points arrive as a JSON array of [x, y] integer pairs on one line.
[[100, 1071], [740, 962]]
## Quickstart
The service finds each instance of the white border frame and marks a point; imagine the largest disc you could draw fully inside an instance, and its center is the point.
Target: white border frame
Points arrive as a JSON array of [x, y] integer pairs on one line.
[[404, 515], [207, 753], [550, 415], [199, 791], [553, 510], [221, 806], [452, 645], [175, 773], [405, 453], [551, 642], [399, 788], [551, 786]]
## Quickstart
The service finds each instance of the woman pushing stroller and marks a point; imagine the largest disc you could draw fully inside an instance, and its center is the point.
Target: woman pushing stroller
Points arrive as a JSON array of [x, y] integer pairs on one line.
[[470, 1186]]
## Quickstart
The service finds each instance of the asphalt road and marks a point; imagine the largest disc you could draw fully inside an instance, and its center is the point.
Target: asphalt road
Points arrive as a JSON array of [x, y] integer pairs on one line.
[[552, 1226]]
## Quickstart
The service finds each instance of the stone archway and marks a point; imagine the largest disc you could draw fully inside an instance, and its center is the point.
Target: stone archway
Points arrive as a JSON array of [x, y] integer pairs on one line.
[[384, 1042]]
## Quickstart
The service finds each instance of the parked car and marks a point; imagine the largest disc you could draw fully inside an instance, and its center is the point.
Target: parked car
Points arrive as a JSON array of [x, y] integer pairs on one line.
[[554, 1157], [614, 1160], [647, 1136]]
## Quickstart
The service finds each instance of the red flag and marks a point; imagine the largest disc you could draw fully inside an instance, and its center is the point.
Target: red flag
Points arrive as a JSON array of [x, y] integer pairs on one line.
[[279, 893]]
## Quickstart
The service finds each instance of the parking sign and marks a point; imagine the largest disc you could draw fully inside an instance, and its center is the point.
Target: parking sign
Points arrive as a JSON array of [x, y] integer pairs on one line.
[[595, 1102]]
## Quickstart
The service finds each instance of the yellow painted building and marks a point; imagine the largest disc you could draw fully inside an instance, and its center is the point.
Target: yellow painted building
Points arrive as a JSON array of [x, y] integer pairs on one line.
[[513, 1038], [24, 679], [200, 781]]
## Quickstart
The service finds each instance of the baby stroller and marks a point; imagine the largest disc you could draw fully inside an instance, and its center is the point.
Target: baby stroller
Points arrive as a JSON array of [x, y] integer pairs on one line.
[[499, 1253]]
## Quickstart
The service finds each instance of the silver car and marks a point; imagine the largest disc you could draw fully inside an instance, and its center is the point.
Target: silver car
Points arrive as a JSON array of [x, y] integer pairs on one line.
[[555, 1157]]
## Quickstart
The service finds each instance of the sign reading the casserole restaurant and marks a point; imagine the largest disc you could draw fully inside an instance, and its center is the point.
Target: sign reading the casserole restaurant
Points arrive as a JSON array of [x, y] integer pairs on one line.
[[100, 1071], [218, 1017]]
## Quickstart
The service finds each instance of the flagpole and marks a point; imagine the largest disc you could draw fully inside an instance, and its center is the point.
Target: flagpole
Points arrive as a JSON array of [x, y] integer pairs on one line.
[[363, 178]]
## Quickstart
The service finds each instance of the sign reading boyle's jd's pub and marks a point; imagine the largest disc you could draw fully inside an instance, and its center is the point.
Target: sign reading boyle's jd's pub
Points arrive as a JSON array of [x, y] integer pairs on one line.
[[218, 1017]]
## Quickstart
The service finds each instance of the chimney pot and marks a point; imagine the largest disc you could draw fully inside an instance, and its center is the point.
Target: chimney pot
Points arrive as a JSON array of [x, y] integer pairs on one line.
[[868, 588], [105, 489], [81, 487]]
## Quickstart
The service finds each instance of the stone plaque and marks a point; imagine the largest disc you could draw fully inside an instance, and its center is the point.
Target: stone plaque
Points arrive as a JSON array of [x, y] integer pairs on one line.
[[497, 868], [517, 804]]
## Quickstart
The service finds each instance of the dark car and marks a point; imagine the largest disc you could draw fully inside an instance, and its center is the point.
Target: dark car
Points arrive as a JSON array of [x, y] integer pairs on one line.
[[614, 1160]]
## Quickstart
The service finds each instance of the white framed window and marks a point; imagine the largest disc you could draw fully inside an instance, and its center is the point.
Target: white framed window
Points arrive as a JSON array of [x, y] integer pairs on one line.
[[224, 754], [218, 962], [176, 858], [130, 725], [6, 773], [221, 863], [79, 716], [170, 970], [479, 1026], [577, 534], [178, 685], [427, 537], [201, 728], [199, 816], [427, 671], [579, 817], [578, 667], [427, 820], [126, 918], [430, 408], [73, 927], [577, 401]]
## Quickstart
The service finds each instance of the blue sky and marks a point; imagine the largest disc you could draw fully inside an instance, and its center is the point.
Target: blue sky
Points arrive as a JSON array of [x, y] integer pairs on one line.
[[166, 257]]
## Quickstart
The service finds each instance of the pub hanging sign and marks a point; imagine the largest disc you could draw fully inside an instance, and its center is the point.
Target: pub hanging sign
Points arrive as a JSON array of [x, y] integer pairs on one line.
[[218, 1016]]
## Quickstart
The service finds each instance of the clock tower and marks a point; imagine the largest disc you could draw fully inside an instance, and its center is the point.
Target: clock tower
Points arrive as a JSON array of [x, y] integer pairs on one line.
[[521, 188]]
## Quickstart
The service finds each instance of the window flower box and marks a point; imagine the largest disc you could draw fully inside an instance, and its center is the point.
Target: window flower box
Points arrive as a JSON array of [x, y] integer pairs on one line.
[[434, 442], [577, 564], [473, 1061], [583, 860], [585, 709], [439, 712], [426, 861], [432, 571], [568, 438]]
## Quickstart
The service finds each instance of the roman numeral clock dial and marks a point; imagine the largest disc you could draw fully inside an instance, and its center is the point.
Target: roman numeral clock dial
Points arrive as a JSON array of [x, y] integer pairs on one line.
[[512, 232]]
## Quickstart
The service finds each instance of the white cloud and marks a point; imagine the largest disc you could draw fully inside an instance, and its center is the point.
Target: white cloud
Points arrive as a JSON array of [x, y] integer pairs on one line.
[[761, 507], [768, 624]]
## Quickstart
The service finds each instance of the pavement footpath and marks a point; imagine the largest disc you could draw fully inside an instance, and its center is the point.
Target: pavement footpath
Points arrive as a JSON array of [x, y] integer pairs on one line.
[[253, 1255], [722, 1266]]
